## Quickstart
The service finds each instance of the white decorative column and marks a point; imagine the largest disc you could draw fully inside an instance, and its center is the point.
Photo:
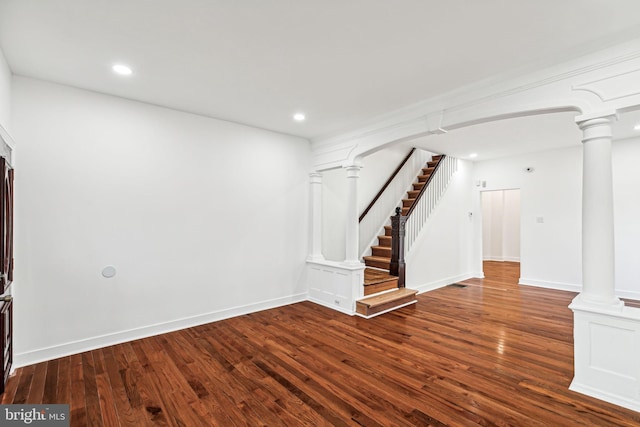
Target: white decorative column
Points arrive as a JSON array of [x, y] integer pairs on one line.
[[598, 255], [335, 284], [606, 334], [315, 245], [352, 226]]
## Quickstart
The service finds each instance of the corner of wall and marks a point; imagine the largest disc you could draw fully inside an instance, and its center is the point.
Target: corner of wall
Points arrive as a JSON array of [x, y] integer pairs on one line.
[[5, 93]]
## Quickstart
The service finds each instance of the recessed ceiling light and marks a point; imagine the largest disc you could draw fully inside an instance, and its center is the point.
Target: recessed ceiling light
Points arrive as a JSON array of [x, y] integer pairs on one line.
[[473, 155], [299, 117], [637, 127], [121, 69]]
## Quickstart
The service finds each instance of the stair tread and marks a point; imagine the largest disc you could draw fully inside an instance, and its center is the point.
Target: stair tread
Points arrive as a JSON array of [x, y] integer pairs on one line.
[[387, 297]]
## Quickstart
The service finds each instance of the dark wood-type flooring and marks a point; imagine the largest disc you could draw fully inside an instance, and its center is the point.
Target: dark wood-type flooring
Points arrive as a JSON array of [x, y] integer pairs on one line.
[[489, 353]]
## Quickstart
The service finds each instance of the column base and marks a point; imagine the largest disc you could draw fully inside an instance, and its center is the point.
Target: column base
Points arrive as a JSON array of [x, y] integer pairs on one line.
[[584, 302]]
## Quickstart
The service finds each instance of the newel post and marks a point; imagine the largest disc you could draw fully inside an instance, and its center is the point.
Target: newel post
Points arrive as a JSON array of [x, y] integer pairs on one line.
[[397, 266]]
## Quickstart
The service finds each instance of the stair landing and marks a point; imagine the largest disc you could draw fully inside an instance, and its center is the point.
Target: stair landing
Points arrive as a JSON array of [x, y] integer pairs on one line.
[[387, 301]]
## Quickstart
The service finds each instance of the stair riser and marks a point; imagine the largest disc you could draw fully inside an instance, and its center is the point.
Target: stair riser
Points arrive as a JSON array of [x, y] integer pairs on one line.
[[379, 287], [381, 251], [418, 185], [407, 202], [384, 241]]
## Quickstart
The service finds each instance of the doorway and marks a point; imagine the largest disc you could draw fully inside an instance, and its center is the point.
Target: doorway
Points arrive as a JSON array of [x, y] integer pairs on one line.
[[501, 225]]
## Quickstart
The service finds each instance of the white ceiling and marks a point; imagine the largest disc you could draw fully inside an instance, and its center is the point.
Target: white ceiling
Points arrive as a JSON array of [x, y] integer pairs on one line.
[[257, 62]]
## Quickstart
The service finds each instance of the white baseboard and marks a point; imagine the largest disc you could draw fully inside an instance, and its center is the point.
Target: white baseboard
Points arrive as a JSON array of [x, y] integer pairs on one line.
[[635, 295], [426, 287], [502, 259], [628, 294], [75, 347], [634, 405], [550, 285]]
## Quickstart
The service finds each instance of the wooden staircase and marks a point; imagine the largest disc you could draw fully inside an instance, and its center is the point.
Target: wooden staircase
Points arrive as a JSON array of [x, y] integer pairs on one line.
[[381, 289]]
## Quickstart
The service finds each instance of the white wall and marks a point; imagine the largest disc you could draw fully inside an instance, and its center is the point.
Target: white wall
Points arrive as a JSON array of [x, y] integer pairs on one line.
[[552, 249], [501, 225], [626, 211], [203, 219], [376, 169], [552, 193], [334, 213], [5, 92], [444, 252]]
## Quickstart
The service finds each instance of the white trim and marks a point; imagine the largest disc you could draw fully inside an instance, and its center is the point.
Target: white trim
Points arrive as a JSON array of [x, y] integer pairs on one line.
[[502, 259], [4, 134], [635, 295], [431, 286], [607, 397], [75, 347], [550, 285], [628, 294]]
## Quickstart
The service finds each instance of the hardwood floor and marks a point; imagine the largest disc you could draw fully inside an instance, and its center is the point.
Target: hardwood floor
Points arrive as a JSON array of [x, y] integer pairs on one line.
[[486, 352]]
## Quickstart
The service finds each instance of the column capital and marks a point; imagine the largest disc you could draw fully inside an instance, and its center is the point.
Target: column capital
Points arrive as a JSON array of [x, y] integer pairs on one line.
[[315, 178], [596, 127], [603, 114], [353, 171]]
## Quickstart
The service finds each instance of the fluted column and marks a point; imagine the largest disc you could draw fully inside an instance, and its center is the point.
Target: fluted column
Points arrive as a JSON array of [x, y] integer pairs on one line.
[[315, 244], [352, 226], [598, 255]]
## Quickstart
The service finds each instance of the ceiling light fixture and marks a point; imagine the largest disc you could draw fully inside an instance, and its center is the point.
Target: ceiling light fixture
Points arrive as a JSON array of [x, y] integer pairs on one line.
[[299, 117], [121, 69], [473, 155], [637, 127]]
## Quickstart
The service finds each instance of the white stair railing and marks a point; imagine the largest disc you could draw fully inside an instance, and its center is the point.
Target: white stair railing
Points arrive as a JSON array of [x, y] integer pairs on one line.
[[372, 225], [423, 208]]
